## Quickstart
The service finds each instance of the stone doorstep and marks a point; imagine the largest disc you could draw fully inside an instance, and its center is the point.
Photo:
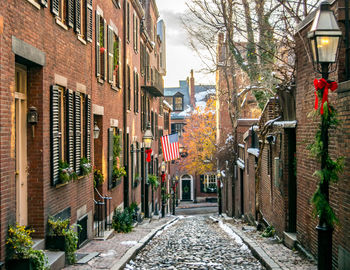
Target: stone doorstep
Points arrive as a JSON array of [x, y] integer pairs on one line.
[[289, 239], [106, 235], [256, 250], [39, 244], [56, 259]]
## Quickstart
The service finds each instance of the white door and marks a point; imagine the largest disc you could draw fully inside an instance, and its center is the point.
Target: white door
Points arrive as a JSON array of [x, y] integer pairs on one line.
[[21, 145]]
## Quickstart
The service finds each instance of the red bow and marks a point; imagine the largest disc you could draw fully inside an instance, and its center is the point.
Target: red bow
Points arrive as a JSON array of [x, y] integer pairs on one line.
[[148, 153], [319, 85]]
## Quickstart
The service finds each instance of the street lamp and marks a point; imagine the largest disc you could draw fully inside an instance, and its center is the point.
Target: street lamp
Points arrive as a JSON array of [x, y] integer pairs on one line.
[[147, 143], [324, 39], [163, 188], [324, 42], [219, 192]]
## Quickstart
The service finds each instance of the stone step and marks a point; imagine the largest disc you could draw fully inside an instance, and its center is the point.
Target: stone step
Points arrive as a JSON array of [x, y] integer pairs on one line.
[[56, 259], [39, 244], [290, 239]]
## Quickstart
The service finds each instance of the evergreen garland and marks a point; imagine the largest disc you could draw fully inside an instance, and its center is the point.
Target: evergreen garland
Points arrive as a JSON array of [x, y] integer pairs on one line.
[[332, 168]]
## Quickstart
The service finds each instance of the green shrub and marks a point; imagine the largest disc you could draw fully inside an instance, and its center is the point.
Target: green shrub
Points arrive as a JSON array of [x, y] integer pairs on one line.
[[85, 166], [122, 220], [269, 232]]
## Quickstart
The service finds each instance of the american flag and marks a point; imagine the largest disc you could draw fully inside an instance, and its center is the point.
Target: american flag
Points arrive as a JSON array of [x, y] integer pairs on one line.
[[170, 146]]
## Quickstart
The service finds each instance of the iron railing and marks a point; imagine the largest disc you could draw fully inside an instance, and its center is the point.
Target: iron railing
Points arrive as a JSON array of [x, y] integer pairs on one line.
[[103, 220]]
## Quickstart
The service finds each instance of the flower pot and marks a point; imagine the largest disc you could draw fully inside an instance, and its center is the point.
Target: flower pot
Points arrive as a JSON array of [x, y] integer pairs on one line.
[[54, 242], [19, 264], [102, 49]]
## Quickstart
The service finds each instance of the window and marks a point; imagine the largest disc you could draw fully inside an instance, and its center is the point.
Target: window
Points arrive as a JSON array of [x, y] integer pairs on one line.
[[136, 92], [160, 106], [128, 22], [64, 11], [143, 110], [177, 128], [70, 129], [178, 102], [114, 138], [101, 53], [155, 126], [142, 59], [114, 70], [169, 100], [136, 32], [166, 121], [128, 88], [208, 183]]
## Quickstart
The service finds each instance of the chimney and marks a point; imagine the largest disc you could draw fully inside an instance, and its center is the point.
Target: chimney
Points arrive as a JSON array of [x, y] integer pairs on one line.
[[192, 93]]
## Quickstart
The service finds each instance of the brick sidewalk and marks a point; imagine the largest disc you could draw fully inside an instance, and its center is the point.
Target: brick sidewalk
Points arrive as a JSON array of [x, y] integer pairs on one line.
[[275, 254], [111, 251]]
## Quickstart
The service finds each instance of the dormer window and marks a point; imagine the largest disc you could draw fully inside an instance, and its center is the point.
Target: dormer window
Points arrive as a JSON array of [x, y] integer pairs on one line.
[[178, 103]]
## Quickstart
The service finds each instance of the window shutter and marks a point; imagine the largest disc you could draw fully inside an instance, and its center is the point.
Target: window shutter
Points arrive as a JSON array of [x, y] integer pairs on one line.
[[110, 157], [70, 13], [134, 30], [119, 63], [70, 127], [137, 92], [55, 134], [105, 51], [77, 133], [77, 16], [88, 27], [132, 150], [110, 34], [43, 3], [55, 5], [134, 78], [88, 128], [97, 31]]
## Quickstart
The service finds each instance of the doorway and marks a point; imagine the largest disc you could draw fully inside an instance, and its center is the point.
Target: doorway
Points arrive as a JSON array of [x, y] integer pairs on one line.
[[21, 145], [186, 188], [292, 183], [242, 191]]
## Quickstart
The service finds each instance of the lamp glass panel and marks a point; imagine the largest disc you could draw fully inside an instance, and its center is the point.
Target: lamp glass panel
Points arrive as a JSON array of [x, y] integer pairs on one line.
[[327, 47], [148, 142], [313, 50]]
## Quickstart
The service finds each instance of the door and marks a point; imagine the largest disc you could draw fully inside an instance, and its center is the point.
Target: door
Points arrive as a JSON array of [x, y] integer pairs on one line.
[[21, 144], [242, 191], [292, 183], [186, 190]]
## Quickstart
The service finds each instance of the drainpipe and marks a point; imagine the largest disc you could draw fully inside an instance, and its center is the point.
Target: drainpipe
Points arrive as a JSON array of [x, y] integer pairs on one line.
[[347, 41], [126, 200]]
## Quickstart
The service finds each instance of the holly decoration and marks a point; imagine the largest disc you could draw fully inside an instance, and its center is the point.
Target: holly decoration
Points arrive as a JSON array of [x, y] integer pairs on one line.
[[330, 168]]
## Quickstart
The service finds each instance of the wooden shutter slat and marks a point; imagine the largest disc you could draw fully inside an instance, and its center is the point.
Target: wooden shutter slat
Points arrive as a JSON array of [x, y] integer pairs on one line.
[[88, 128], [77, 16], [77, 131], [97, 31], [110, 54], [105, 51], [88, 23], [55, 134], [70, 13], [70, 127], [110, 157], [55, 5]]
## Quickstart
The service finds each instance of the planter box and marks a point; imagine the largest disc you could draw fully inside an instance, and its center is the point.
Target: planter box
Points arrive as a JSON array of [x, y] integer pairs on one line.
[[19, 264], [55, 242]]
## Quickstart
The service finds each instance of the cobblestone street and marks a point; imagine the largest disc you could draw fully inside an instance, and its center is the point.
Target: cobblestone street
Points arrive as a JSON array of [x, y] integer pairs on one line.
[[195, 242]]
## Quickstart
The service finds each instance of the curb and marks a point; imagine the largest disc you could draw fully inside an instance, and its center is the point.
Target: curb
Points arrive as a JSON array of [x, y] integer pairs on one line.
[[132, 252], [256, 250]]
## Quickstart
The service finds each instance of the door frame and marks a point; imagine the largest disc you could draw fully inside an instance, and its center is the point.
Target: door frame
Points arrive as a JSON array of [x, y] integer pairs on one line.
[[21, 160], [187, 177]]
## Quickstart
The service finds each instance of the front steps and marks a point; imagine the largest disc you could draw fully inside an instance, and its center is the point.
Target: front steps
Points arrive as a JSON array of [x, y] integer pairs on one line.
[[56, 259]]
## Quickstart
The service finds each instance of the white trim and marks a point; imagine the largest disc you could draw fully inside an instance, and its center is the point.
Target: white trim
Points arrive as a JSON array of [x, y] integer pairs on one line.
[[97, 109]]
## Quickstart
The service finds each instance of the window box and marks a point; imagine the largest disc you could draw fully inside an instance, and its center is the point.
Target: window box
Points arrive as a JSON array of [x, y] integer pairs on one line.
[[20, 264]]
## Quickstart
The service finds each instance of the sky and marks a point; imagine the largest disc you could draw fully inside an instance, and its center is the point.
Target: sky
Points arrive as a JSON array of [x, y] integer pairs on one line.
[[180, 57]]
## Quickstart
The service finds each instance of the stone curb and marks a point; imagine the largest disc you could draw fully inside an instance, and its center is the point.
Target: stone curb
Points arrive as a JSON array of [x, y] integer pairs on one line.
[[132, 252], [256, 250]]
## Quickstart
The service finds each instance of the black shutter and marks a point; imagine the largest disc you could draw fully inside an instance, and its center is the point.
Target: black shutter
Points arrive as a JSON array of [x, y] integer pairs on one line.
[[132, 150], [43, 3], [70, 127], [134, 78], [77, 16], [77, 133], [88, 128], [97, 31], [110, 54], [105, 51], [88, 28], [70, 13], [110, 157], [55, 5], [55, 134]]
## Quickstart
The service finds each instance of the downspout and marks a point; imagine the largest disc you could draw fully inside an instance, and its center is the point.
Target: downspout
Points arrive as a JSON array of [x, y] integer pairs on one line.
[[347, 41], [126, 182]]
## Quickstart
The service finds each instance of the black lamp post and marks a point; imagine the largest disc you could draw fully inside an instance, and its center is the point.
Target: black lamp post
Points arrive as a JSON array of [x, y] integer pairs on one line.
[[147, 143], [163, 188], [324, 41], [174, 189], [219, 193]]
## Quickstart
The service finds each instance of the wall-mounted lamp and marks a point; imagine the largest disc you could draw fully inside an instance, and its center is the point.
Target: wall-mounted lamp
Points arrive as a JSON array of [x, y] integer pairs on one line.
[[32, 117], [96, 131]]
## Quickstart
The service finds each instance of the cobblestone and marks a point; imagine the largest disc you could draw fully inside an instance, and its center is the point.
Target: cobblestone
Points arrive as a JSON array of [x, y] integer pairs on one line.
[[194, 242]]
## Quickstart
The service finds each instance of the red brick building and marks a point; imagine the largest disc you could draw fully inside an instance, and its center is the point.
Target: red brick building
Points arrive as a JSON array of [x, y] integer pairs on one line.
[[80, 66], [338, 145]]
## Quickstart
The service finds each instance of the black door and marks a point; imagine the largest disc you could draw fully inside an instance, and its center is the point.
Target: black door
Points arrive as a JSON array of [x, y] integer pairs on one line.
[[186, 190], [242, 191], [292, 183]]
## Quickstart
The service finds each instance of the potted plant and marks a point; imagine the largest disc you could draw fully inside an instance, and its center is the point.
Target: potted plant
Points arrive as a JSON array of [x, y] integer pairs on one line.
[[20, 252], [62, 237], [85, 166], [122, 220], [118, 173], [153, 181], [134, 211], [98, 178], [66, 173]]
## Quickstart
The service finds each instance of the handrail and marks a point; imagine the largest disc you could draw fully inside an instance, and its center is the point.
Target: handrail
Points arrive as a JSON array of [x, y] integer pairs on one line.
[[102, 197]]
